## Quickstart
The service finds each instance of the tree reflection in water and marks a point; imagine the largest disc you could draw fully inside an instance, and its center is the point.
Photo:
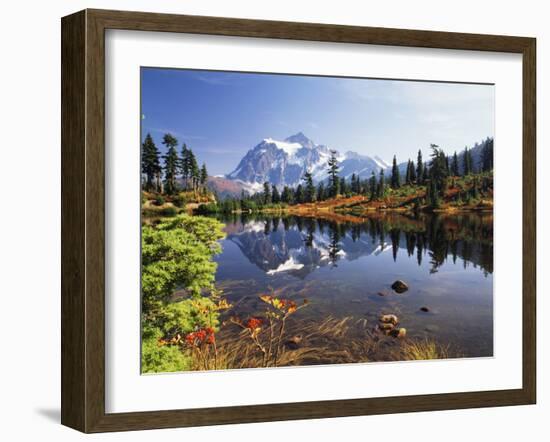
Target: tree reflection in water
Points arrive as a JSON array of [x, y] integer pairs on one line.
[[269, 241]]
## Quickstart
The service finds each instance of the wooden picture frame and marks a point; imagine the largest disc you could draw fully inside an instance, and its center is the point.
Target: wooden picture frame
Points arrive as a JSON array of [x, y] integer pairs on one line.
[[83, 219]]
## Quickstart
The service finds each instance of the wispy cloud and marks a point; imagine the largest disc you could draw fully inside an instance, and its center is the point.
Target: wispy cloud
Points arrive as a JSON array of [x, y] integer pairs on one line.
[[214, 79]]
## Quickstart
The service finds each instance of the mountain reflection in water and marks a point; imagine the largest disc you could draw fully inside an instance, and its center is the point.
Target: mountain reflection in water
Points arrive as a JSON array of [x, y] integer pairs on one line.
[[299, 245]]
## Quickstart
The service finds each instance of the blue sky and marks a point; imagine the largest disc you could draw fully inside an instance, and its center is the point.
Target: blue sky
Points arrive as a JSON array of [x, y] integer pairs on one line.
[[221, 115]]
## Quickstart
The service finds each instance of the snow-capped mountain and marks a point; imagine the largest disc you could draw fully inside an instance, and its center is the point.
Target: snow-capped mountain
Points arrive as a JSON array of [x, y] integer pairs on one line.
[[283, 163]]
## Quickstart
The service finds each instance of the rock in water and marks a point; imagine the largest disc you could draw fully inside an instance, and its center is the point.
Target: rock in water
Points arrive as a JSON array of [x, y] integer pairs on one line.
[[386, 326], [424, 309], [389, 319], [400, 286]]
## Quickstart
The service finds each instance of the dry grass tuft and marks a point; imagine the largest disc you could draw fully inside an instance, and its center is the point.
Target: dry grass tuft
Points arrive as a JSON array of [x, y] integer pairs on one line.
[[420, 350]]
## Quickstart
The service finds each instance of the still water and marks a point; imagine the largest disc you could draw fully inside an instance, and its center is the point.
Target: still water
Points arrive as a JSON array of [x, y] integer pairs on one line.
[[345, 267]]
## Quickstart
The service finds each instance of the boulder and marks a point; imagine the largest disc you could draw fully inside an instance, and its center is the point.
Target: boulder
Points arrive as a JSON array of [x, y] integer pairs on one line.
[[424, 309], [389, 319], [386, 326], [400, 286]]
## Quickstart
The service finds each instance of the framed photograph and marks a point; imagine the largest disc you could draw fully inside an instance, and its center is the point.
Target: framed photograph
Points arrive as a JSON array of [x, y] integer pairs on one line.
[[266, 220]]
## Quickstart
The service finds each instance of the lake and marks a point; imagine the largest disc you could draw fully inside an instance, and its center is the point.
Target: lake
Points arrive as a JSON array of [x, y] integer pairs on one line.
[[345, 266]]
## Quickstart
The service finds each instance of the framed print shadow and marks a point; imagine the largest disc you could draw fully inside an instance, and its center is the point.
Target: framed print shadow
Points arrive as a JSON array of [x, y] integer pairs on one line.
[[266, 221]]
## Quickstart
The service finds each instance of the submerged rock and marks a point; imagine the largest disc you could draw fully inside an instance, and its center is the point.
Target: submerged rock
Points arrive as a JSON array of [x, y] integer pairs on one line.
[[382, 293], [424, 309], [400, 286]]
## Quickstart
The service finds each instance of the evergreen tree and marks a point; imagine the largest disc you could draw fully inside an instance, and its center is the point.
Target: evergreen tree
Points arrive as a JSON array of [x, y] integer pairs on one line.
[[413, 173], [184, 165], [487, 156], [380, 190], [309, 188], [425, 173], [433, 194], [438, 171], [467, 160], [287, 196], [372, 186], [267, 193], [275, 195], [194, 171], [344, 186], [299, 194], [333, 170], [171, 163], [150, 164], [355, 184], [420, 167], [203, 176], [321, 192], [454, 165], [395, 178]]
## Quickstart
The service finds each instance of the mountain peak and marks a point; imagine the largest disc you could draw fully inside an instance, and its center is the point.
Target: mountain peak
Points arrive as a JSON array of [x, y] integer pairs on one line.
[[301, 139]]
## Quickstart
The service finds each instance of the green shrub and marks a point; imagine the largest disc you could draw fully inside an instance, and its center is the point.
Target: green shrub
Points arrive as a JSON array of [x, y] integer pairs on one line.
[[157, 358], [169, 211], [179, 200], [176, 253], [159, 200], [206, 209]]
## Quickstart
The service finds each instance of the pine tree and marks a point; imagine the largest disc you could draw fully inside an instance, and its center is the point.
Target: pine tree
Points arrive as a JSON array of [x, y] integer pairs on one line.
[[408, 173], [355, 184], [438, 171], [433, 195], [333, 170], [194, 171], [309, 187], [372, 186], [395, 178], [275, 195], [413, 173], [380, 190], [344, 186], [454, 165], [203, 176], [287, 196], [467, 160], [420, 168], [425, 173], [487, 156], [171, 163], [150, 164], [321, 192], [184, 165], [299, 194], [267, 193]]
